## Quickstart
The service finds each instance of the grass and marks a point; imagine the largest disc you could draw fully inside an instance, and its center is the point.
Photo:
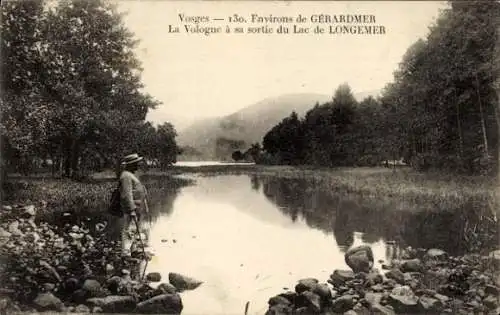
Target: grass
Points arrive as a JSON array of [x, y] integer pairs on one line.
[[53, 196]]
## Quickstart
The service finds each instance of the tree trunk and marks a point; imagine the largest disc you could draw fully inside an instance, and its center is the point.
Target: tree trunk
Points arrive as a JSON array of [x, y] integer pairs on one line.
[[75, 155], [459, 126], [67, 159], [483, 124]]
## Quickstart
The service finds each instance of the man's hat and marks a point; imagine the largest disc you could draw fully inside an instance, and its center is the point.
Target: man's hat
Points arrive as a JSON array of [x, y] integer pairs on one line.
[[131, 158]]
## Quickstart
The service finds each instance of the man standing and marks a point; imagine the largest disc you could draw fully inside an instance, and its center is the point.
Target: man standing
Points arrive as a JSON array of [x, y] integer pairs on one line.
[[132, 196]]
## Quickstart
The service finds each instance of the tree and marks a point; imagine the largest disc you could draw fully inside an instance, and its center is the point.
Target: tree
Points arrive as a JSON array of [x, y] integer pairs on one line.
[[72, 88]]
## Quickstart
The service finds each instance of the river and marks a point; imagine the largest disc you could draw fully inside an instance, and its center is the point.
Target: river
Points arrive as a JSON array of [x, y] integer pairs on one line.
[[248, 237]]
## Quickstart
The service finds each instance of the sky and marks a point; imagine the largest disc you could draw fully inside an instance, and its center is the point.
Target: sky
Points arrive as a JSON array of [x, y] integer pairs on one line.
[[196, 76]]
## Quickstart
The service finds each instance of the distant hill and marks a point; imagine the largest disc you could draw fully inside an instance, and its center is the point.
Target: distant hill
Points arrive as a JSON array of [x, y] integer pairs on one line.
[[251, 123]]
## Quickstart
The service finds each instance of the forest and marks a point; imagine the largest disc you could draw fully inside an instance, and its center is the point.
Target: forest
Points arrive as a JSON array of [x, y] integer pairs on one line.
[[440, 112], [72, 96]]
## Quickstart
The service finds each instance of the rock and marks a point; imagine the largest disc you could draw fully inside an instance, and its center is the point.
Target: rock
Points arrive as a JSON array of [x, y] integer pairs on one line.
[[373, 298], [115, 284], [495, 254], [14, 229], [435, 254], [289, 295], [166, 288], [339, 277], [412, 265], [312, 300], [82, 309], [373, 278], [281, 309], [182, 283], [382, 310], [47, 302], [491, 289], [278, 300], [97, 309], [113, 303], [396, 275], [343, 304], [350, 312], [386, 267], [110, 269], [80, 296], [49, 287], [153, 277], [29, 211], [93, 287], [307, 284], [165, 303], [403, 300], [323, 291], [4, 233], [359, 258], [6, 208], [491, 302], [429, 304]]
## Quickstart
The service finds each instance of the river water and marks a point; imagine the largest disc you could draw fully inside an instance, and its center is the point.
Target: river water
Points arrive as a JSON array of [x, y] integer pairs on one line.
[[248, 237]]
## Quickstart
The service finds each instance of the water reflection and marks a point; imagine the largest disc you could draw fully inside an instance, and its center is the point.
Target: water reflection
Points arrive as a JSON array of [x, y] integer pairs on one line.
[[346, 214], [248, 236]]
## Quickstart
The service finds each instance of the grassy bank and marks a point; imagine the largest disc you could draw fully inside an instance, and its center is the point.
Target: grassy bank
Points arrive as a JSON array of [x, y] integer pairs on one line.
[[401, 185], [53, 196]]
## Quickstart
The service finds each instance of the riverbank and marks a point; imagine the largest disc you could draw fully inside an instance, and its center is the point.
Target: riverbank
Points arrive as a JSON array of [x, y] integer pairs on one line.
[[424, 282], [78, 268], [71, 214]]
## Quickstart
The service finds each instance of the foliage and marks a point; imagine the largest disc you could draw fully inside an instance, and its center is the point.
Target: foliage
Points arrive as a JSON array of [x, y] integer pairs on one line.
[[72, 88], [440, 111]]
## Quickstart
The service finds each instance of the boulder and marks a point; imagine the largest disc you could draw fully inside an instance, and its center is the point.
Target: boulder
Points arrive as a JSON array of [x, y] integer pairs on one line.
[[323, 291], [166, 288], [403, 300], [113, 303], [165, 303], [491, 289], [48, 287], [435, 254], [115, 284], [360, 258], [311, 301], [29, 211], [47, 302], [343, 304], [373, 298], [307, 284], [381, 310], [278, 299], [396, 275], [93, 287], [491, 302], [339, 277], [182, 283], [280, 309], [495, 254], [412, 265], [290, 296], [429, 304], [153, 277], [82, 309], [373, 278]]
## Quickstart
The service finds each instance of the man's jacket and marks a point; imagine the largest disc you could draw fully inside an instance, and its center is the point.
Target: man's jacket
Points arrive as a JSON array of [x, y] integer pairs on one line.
[[132, 193]]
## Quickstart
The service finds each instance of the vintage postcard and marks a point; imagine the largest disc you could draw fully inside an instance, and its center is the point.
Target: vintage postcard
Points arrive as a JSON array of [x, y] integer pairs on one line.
[[250, 157]]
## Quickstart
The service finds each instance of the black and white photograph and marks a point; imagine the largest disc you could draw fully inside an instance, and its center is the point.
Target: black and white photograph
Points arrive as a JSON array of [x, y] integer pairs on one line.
[[250, 157]]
